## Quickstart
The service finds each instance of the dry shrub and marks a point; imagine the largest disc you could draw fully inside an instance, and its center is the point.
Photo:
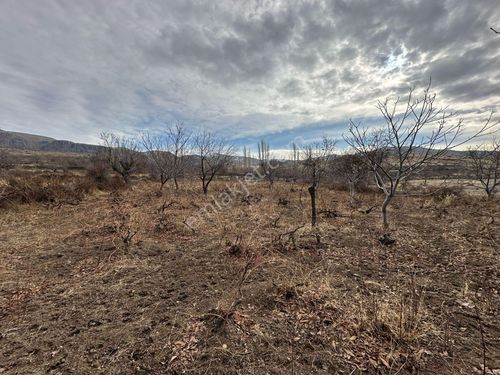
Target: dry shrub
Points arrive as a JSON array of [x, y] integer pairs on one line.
[[44, 189], [376, 329], [447, 196], [124, 227], [442, 198], [447, 201], [98, 174], [108, 183], [400, 315], [124, 222], [441, 193]]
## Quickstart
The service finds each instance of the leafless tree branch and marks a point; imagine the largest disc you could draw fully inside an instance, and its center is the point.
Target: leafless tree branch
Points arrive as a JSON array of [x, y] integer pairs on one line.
[[411, 137], [215, 154]]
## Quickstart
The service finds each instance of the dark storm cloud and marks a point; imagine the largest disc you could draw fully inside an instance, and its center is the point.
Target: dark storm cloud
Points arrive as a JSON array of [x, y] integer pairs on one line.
[[473, 89], [469, 64], [250, 48], [72, 69]]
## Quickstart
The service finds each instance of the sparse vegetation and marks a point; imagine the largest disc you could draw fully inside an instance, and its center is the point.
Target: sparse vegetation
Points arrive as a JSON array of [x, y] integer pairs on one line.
[[46, 189], [117, 276], [352, 169], [485, 162], [250, 291], [214, 155], [167, 153], [316, 160], [122, 154], [411, 138], [267, 163], [278, 189]]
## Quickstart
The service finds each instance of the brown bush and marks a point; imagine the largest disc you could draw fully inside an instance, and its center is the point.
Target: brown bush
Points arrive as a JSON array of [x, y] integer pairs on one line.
[[44, 189], [448, 191], [98, 172], [98, 175]]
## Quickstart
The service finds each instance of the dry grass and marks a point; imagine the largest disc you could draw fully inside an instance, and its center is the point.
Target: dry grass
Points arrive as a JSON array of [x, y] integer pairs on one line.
[[119, 284]]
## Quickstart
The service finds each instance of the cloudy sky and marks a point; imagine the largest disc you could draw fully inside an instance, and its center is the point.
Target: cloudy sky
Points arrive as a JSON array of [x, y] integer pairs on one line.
[[246, 69]]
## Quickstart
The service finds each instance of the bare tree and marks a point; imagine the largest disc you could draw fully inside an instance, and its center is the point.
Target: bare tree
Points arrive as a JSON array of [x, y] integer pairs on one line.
[[244, 161], [247, 157], [160, 158], [179, 138], [485, 162], [410, 139], [268, 165], [353, 169], [316, 159], [295, 154], [215, 154], [167, 151], [122, 154], [263, 151]]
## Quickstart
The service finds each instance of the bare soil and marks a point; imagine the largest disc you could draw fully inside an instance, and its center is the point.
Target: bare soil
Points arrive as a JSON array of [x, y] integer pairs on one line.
[[118, 284]]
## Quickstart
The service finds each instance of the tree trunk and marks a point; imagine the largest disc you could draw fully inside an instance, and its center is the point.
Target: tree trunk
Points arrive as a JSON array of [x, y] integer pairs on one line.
[[314, 215], [205, 189], [126, 178], [384, 211], [351, 190], [176, 183], [489, 188]]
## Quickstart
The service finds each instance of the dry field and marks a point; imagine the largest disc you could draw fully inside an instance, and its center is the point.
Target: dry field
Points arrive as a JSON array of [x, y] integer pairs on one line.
[[28, 160], [118, 284]]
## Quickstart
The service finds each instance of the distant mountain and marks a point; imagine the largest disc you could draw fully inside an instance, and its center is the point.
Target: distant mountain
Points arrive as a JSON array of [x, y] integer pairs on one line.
[[422, 150], [33, 142]]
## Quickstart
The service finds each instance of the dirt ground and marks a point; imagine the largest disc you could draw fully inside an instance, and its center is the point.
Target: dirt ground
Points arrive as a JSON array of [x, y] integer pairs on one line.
[[119, 284]]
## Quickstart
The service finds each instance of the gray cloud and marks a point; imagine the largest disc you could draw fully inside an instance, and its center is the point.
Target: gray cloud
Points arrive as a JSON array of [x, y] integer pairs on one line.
[[72, 69]]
